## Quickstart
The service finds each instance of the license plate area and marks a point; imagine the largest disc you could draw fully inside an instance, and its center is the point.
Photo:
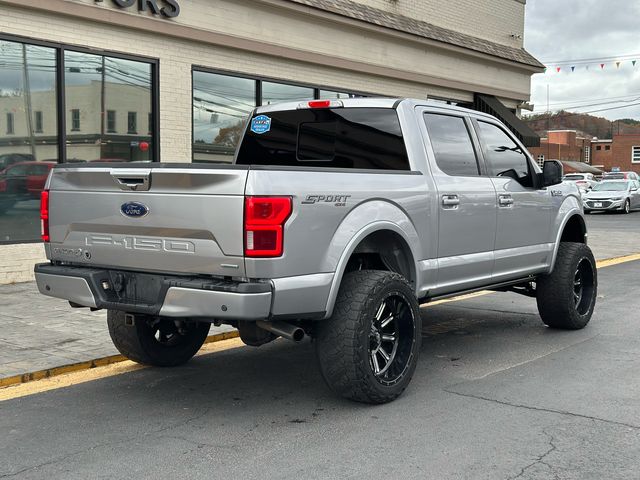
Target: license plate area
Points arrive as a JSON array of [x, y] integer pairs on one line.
[[597, 204]]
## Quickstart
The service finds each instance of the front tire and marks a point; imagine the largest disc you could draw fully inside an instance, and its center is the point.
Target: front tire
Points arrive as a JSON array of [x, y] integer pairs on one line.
[[627, 207], [154, 341], [566, 298], [368, 350]]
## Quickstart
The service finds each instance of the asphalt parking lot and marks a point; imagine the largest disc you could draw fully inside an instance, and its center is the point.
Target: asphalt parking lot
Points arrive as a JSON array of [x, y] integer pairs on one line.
[[496, 395], [614, 234]]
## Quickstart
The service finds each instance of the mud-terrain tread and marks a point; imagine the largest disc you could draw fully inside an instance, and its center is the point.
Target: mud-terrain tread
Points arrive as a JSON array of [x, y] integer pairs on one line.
[[554, 292], [128, 340], [337, 346]]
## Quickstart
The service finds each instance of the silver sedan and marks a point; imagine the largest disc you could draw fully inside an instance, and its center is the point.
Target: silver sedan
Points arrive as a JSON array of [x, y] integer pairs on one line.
[[613, 195]]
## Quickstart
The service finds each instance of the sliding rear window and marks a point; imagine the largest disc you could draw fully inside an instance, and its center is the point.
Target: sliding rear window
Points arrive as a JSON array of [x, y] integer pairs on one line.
[[368, 138]]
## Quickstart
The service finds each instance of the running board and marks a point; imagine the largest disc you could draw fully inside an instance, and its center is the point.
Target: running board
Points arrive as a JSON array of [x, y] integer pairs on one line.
[[499, 287]]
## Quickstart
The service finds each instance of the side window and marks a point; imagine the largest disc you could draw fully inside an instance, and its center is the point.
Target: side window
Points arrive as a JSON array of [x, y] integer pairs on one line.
[[17, 171], [38, 170], [452, 145], [505, 157]]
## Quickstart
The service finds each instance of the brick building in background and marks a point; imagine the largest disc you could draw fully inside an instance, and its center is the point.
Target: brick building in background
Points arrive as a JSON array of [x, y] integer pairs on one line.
[[601, 153], [621, 153], [624, 154], [563, 145]]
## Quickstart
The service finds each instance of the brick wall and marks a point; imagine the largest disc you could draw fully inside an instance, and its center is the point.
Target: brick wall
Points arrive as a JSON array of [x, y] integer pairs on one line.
[[603, 156], [563, 137], [621, 152]]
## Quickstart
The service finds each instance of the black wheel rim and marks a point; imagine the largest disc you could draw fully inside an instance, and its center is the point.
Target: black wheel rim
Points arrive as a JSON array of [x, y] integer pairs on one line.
[[583, 286], [169, 333], [391, 339]]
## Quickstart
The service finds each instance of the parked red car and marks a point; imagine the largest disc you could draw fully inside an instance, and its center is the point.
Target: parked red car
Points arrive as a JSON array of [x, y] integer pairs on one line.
[[22, 181]]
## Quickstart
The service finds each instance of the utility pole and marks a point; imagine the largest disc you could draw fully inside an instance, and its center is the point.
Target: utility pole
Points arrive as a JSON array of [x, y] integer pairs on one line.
[[548, 124], [27, 101], [103, 104]]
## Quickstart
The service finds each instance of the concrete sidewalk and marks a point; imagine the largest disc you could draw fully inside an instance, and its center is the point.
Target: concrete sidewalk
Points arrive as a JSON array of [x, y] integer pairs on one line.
[[40, 333]]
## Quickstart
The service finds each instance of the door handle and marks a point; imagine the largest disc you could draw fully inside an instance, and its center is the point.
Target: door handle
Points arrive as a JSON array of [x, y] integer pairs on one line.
[[505, 200], [450, 200]]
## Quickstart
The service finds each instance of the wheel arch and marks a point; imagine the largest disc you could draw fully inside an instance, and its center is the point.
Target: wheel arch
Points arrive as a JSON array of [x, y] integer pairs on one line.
[[573, 228], [395, 242]]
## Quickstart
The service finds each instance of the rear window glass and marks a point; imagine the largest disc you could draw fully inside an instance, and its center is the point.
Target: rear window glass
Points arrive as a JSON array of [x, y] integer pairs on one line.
[[367, 138], [452, 145]]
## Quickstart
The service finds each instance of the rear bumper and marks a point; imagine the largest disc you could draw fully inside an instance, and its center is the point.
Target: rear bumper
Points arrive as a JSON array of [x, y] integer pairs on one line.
[[150, 294], [300, 297]]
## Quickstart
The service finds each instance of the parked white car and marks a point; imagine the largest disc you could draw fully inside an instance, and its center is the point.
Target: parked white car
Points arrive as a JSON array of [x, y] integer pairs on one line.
[[584, 181]]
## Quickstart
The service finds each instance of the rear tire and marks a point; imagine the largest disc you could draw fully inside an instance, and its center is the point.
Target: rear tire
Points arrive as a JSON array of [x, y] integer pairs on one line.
[[156, 342], [368, 350], [566, 298]]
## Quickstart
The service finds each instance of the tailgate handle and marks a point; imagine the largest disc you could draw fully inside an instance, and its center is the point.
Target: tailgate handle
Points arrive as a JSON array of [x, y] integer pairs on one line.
[[136, 180]]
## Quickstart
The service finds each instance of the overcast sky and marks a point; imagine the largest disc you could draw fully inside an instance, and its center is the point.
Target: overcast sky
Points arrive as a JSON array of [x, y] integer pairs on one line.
[[561, 33]]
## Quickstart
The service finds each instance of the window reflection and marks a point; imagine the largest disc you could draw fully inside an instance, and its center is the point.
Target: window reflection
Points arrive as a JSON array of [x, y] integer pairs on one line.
[[28, 135], [329, 94], [221, 105], [119, 88], [280, 92]]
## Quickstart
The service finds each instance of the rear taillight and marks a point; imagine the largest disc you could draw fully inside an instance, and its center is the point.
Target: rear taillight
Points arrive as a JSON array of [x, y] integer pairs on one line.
[[44, 215], [264, 219]]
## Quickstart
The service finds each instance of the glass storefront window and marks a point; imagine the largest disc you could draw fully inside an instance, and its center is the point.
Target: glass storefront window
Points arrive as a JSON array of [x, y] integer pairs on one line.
[[29, 137], [330, 94], [104, 97], [281, 92], [221, 105]]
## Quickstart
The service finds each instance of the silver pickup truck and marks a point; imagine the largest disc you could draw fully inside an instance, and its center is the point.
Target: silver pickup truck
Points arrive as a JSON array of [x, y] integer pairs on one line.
[[335, 221]]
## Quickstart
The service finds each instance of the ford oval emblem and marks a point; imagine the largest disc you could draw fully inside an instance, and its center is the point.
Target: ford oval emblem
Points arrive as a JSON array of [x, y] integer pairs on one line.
[[134, 210]]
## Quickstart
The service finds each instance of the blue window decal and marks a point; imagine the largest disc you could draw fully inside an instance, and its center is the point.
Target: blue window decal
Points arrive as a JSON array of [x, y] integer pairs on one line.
[[261, 124]]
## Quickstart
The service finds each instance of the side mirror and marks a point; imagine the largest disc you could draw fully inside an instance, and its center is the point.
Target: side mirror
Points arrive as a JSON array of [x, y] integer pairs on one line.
[[552, 172]]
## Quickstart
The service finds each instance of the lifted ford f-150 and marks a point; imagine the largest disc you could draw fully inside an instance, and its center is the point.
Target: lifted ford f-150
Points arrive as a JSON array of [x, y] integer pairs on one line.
[[335, 220]]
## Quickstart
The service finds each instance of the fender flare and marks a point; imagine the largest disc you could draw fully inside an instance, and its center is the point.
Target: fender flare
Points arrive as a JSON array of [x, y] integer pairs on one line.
[[569, 209], [410, 238]]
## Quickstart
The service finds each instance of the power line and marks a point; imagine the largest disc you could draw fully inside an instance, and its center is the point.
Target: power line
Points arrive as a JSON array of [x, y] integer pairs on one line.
[[599, 104], [570, 114]]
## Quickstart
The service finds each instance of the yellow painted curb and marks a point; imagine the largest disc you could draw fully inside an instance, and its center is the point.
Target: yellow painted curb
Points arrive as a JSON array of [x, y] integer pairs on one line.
[[80, 366]]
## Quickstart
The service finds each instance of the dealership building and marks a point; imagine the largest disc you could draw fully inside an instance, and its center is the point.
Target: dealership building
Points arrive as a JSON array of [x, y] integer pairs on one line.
[[174, 80]]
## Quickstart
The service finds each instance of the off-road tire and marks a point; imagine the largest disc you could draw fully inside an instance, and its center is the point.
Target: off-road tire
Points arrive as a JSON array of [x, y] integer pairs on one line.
[[138, 341], [563, 303], [343, 342]]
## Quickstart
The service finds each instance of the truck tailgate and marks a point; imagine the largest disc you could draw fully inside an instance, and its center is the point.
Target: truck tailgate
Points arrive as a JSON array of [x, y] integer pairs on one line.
[[176, 218]]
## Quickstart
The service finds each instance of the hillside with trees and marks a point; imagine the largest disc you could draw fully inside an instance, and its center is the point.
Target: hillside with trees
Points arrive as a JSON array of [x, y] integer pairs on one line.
[[588, 124]]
